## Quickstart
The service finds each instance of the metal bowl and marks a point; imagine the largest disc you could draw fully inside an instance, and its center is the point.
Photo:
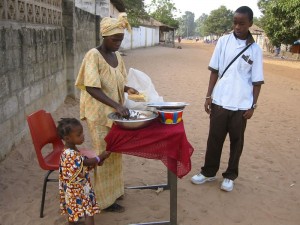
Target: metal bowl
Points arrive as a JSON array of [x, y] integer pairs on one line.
[[141, 118], [168, 105]]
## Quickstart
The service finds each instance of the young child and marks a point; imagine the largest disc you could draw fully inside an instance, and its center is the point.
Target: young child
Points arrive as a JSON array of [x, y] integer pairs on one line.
[[77, 197]]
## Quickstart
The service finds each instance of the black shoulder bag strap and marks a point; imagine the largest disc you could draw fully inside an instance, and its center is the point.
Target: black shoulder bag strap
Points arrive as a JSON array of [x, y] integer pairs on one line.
[[235, 59]]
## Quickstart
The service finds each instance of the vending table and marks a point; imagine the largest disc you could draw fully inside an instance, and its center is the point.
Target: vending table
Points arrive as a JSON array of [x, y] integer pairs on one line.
[[167, 143]]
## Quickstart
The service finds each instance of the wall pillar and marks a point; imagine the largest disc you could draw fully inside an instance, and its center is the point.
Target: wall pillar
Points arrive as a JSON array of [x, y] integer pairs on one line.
[[68, 7]]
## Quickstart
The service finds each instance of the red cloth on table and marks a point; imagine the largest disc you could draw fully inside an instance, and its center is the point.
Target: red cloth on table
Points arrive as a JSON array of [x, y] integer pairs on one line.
[[167, 143]]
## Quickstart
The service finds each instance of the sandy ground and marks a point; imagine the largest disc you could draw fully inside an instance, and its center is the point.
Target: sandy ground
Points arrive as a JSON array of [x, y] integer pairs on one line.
[[266, 192]]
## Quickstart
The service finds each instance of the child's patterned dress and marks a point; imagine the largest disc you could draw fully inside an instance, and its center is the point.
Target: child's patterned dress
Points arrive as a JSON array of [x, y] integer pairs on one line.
[[77, 197]]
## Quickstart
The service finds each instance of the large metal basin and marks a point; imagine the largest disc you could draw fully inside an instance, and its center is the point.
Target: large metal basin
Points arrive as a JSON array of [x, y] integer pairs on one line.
[[143, 119]]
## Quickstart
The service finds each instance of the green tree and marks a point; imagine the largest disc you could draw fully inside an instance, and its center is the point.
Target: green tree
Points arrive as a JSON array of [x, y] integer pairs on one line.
[[200, 30], [257, 22], [181, 27], [262, 4], [186, 25], [136, 12], [164, 11], [219, 21], [281, 20]]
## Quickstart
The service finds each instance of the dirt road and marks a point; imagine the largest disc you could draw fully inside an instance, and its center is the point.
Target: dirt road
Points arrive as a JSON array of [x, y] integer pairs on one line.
[[268, 187]]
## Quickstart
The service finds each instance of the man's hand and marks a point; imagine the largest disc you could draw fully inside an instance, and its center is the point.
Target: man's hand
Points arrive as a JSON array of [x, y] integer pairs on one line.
[[207, 105], [248, 114]]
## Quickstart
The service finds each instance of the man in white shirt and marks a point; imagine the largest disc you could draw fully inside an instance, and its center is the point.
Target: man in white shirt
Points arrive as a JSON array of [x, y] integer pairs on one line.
[[231, 97]]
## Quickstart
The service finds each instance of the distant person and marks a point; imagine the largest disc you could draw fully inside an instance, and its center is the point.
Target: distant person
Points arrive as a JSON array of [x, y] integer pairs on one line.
[[179, 39], [231, 99], [77, 197], [277, 50]]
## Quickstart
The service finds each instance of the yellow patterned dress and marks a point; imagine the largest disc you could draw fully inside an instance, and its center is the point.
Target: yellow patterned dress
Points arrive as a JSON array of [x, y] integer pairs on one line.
[[77, 197], [96, 72]]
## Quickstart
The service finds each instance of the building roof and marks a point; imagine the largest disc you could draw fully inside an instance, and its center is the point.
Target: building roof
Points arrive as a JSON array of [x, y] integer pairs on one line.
[[256, 29], [154, 23], [151, 23]]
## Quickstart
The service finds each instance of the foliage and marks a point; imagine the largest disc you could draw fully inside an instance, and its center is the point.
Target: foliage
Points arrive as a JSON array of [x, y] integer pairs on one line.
[[219, 21], [136, 12], [164, 11], [181, 27], [262, 4], [186, 25], [281, 20], [200, 30], [257, 22]]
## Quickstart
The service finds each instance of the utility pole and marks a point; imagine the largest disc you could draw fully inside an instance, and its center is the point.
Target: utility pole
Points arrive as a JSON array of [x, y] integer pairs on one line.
[[187, 31], [187, 28]]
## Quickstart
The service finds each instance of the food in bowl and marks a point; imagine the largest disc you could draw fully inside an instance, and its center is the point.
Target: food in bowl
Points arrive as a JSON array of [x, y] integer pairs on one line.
[[170, 116], [137, 119]]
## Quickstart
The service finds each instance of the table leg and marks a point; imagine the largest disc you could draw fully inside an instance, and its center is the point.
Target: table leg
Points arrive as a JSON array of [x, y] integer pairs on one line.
[[172, 182], [164, 186], [172, 186], [151, 223]]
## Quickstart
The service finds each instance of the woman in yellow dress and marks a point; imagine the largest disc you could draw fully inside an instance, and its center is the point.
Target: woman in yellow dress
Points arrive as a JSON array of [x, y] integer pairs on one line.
[[102, 79]]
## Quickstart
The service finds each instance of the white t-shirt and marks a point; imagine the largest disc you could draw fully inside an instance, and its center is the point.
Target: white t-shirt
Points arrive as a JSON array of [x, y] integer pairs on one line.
[[234, 91]]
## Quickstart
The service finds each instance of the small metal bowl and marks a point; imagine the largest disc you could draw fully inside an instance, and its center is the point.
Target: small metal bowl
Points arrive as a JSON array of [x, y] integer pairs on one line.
[[168, 105], [146, 117]]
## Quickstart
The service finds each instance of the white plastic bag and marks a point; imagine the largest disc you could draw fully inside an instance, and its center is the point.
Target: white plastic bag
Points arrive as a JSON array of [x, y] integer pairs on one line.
[[141, 82]]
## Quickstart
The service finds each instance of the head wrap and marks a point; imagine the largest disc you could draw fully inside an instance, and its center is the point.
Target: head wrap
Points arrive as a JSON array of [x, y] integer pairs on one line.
[[110, 26]]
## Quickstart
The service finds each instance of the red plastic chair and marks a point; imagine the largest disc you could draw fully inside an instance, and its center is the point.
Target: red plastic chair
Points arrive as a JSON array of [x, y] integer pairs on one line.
[[43, 132]]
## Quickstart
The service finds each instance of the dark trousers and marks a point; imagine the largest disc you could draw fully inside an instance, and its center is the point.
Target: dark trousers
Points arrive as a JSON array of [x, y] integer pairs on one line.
[[223, 121]]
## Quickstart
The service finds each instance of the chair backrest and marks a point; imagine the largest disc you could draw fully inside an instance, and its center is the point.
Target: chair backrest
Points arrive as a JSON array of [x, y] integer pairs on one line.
[[43, 132]]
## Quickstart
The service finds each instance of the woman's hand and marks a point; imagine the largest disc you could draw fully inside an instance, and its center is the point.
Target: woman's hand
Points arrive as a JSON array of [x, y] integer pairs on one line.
[[130, 90], [123, 111]]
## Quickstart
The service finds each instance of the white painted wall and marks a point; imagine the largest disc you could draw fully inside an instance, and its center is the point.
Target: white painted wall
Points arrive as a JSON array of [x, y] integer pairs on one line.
[[140, 37]]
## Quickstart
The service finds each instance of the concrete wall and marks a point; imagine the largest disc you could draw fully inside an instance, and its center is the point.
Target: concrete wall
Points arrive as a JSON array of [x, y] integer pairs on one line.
[[100, 8], [32, 76], [40, 55], [32, 65], [86, 36]]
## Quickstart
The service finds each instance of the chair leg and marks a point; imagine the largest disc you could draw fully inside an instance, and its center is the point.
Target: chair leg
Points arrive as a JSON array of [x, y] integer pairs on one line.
[[44, 192]]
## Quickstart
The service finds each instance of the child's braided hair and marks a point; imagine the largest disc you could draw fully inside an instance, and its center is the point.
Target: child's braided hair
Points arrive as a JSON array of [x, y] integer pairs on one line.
[[65, 126]]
